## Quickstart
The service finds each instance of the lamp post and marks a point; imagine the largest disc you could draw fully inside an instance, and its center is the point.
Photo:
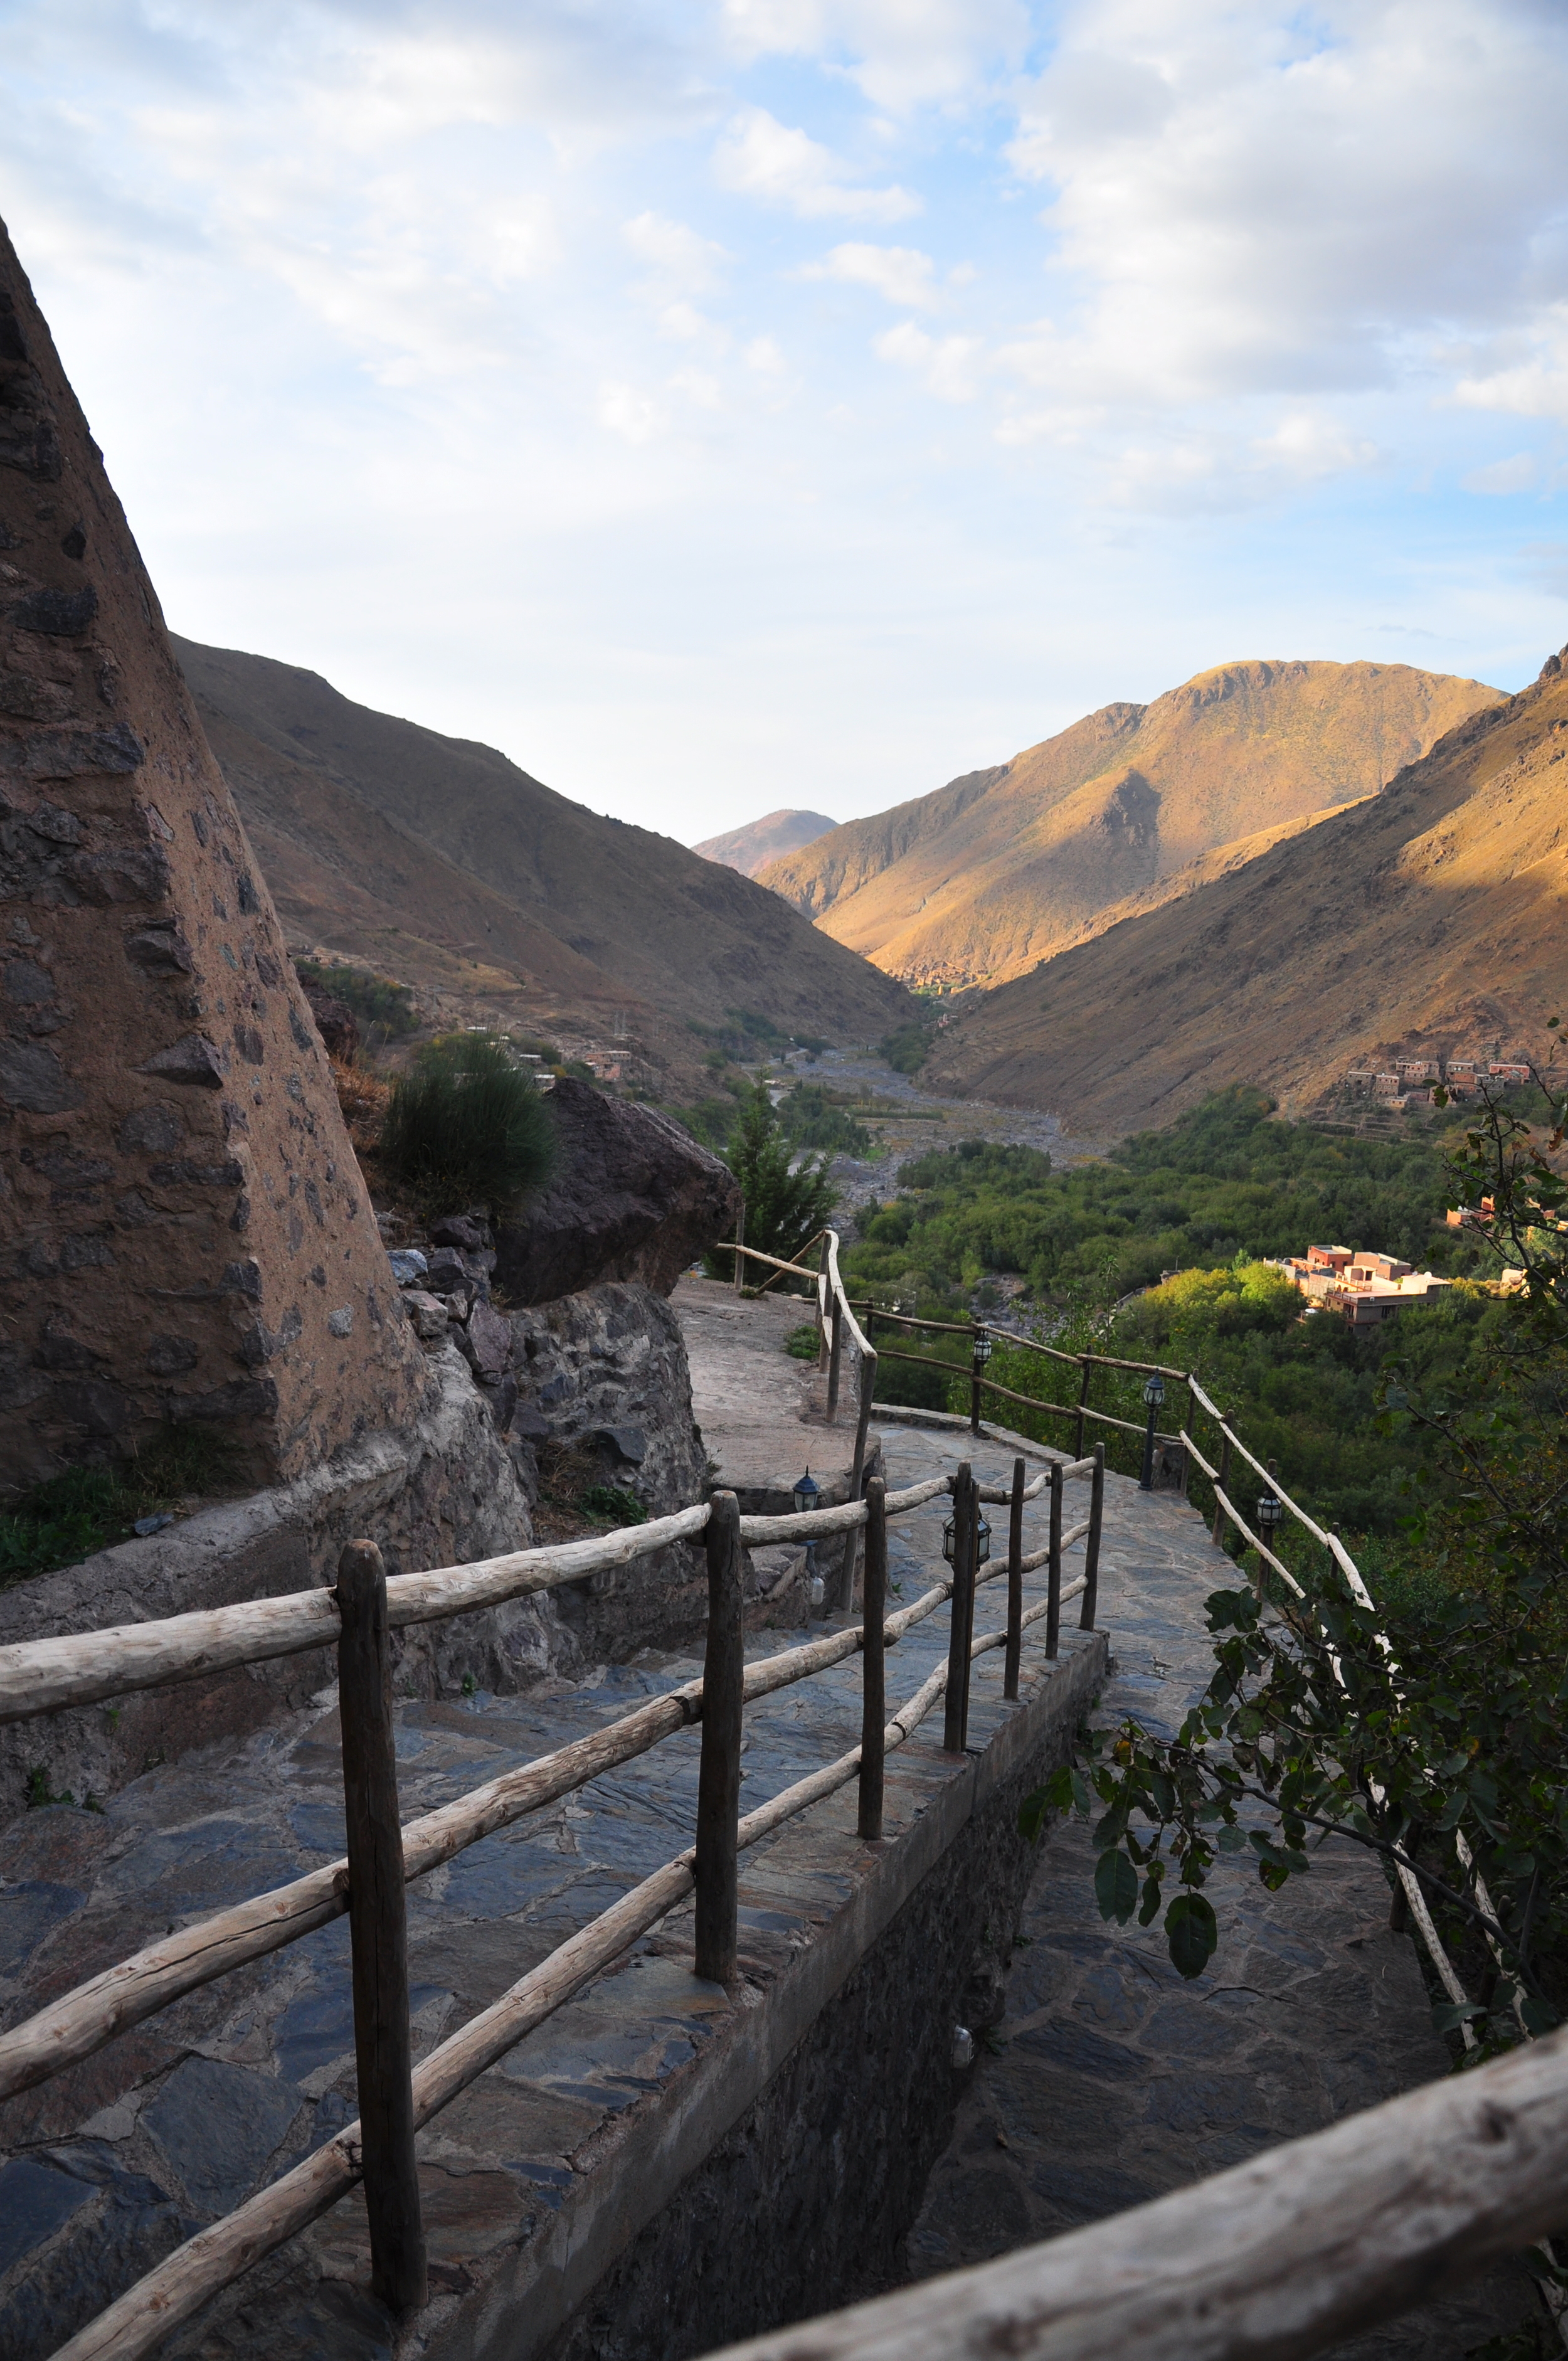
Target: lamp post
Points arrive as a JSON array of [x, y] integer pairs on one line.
[[1154, 1394], [981, 1538], [980, 1347], [1270, 1515], [806, 1495]]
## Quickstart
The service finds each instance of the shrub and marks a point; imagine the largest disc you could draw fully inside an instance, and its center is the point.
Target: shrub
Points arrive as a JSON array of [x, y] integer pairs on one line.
[[90, 1507], [465, 1127], [785, 1206], [381, 1003]]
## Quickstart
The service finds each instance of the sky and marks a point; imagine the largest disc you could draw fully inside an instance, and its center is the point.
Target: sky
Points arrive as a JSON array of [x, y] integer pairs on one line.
[[723, 404]]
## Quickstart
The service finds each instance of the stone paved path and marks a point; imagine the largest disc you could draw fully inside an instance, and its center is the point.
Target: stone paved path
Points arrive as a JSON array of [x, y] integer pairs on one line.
[[1113, 2080], [106, 2169]]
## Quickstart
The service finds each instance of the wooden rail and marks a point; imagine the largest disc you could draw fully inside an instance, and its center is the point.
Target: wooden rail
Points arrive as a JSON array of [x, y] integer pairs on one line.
[[1282, 2255], [40, 1677], [158, 2304]]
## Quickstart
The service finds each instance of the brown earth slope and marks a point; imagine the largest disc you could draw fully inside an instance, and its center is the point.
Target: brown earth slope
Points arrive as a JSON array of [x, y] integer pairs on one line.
[[1432, 918], [440, 863], [1004, 867], [755, 847]]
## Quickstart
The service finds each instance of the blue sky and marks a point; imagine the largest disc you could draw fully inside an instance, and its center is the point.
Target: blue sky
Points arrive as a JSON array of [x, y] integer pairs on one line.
[[750, 403]]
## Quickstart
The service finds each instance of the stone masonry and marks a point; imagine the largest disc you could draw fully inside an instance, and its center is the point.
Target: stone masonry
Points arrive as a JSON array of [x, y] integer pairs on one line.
[[186, 1232]]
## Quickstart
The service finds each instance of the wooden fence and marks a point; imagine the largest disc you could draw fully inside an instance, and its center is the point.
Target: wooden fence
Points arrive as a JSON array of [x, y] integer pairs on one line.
[[358, 1617]]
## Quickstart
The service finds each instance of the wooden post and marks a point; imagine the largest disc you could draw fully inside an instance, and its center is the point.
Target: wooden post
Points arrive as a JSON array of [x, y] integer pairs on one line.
[[856, 1471], [1190, 1421], [378, 1930], [739, 1242], [1053, 1576], [1091, 1541], [718, 1780], [822, 1293], [1082, 1402], [973, 1392], [1225, 1480], [956, 1704], [835, 1358], [1014, 1585], [874, 1690]]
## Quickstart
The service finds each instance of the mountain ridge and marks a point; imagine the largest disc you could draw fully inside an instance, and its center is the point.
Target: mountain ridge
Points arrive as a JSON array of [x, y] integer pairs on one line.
[[751, 848], [1002, 866], [1430, 918], [441, 860]]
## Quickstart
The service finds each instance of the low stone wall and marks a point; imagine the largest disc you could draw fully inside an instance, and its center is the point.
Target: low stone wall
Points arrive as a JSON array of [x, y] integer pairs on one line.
[[436, 1492], [774, 2176]]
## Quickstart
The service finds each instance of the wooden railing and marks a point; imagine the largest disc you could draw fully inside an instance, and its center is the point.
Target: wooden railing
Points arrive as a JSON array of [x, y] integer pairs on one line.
[[368, 1884], [1282, 2255]]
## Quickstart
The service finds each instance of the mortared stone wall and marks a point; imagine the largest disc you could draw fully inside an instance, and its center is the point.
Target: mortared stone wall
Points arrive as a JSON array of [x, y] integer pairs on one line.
[[184, 1233]]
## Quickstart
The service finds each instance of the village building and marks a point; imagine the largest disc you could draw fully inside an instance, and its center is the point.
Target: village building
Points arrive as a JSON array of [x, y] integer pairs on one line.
[[1362, 1287]]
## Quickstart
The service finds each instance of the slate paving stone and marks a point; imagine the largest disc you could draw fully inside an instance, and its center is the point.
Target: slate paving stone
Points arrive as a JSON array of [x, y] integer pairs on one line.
[[218, 2125], [1311, 2009]]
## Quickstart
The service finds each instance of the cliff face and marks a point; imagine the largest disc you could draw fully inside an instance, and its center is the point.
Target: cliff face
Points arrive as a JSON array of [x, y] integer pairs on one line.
[[186, 1232], [1433, 918], [1007, 867]]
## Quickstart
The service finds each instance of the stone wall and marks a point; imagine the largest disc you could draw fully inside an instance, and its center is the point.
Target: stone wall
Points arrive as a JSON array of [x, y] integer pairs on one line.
[[436, 1491], [186, 1235]]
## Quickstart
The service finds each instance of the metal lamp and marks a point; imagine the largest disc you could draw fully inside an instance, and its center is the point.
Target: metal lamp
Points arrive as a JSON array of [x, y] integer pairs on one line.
[[806, 1494], [983, 1345], [981, 1541], [1270, 1516], [1154, 1394]]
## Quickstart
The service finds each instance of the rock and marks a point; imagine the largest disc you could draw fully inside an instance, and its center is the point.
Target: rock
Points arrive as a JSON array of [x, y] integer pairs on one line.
[[335, 1022], [429, 1316], [448, 1274], [485, 1343], [192, 1058], [500, 1398], [632, 1198], [628, 1443], [462, 1231], [409, 1266]]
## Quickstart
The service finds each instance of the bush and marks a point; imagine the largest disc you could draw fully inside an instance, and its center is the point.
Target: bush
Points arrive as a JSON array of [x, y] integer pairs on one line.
[[465, 1127], [381, 1005], [88, 1508]]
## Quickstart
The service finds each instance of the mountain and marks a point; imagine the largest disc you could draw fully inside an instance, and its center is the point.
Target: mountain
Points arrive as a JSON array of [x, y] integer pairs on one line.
[[1431, 919], [1005, 866], [751, 848], [437, 861]]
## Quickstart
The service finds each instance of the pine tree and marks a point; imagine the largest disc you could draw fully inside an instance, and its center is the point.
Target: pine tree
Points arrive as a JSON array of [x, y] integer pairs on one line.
[[783, 1208]]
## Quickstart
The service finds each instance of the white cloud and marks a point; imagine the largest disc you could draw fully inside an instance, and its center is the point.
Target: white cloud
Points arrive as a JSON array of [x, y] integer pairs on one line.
[[1529, 378], [678, 257], [1246, 200], [901, 274], [1309, 444], [1503, 476], [947, 365], [762, 355], [902, 53], [628, 413], [760, 156]]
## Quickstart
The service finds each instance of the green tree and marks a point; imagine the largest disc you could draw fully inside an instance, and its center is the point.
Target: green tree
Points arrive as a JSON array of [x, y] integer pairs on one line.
[[468, 1126], [1432, 1725], [785, 1208]]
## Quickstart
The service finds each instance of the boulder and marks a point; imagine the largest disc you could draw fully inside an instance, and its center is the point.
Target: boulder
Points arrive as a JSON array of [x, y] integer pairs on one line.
[[632, 1198], [336, 1024]]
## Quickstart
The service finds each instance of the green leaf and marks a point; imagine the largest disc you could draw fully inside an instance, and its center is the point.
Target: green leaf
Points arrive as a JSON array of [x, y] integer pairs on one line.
[[1538, 2018], [1233, 1840], [1150, 1907], [1191, 1933], [1034, 1813], [1116, 1886], [1448, 2014]]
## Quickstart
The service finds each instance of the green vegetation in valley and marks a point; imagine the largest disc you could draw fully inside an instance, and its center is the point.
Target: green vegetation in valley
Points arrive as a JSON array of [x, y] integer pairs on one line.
[[381, 1006], [908, 1046], [1429, 1725], [88, 1508], [1225, 1180], [465, 1125]]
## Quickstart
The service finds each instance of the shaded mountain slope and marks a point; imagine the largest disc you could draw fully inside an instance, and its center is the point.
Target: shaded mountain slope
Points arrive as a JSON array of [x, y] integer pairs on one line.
[[1431, 917], [1005, 866], [441, 860], [751, 849]]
